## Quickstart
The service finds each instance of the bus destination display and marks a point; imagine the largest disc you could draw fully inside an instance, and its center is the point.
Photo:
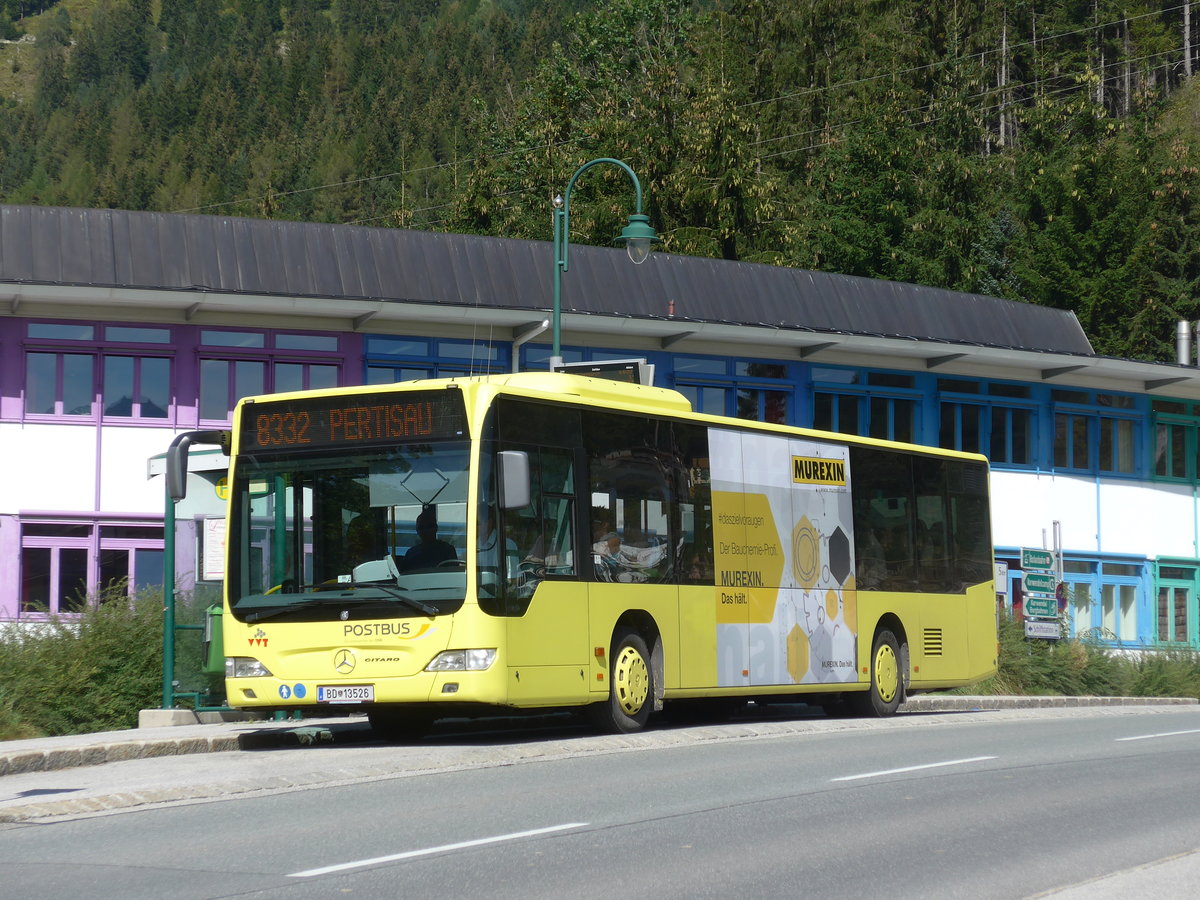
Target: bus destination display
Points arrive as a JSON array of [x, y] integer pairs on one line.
[[382, 418]]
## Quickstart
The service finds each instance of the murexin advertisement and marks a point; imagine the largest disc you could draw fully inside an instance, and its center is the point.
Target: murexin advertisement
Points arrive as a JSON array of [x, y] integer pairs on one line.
[[784, 553]]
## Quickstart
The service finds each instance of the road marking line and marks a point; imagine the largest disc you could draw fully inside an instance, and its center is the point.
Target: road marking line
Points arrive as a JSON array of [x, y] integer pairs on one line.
[[951, 762], [1145, 737], [410, 854]]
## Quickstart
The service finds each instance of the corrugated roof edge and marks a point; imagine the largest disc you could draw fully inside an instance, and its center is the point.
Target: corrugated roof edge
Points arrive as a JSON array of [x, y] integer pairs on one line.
[[221, 254]]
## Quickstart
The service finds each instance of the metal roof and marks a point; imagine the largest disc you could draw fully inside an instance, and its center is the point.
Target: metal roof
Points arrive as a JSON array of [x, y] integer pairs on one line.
[[211, 269]]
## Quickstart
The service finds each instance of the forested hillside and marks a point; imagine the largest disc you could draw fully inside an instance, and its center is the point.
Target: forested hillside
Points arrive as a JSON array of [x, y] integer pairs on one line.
[[1043, 150]]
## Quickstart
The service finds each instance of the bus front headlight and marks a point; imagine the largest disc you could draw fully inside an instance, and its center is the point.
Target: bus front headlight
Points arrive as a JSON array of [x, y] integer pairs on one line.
[[462, 661], [244, 667]]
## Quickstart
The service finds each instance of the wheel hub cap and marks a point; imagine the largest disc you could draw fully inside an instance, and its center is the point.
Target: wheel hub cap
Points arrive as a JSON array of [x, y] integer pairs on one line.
[[887, 674], [631, 681]]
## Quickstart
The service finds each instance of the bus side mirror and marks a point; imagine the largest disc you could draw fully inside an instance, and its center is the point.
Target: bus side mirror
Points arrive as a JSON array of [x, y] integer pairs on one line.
[[177, 457], [513, 467]]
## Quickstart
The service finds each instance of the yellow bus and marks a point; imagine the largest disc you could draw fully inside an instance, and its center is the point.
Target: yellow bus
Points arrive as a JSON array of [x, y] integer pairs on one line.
[[452, 547]]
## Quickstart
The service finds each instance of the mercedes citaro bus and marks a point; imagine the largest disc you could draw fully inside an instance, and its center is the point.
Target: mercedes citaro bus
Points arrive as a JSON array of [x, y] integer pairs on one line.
[[545, 540]]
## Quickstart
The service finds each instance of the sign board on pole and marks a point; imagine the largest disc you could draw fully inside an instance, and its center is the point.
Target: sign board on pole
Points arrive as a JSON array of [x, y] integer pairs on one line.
[[1036, 559], [213, 563], [1039, 583], [1045, 607], [1048, 631]]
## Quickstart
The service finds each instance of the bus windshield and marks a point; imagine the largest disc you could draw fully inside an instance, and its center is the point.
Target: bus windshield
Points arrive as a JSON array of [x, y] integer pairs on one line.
[[318, 536]]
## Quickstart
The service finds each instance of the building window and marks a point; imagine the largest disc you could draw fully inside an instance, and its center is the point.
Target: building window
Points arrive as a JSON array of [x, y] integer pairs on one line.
[[224, 382], [129, 334], [837, 412], [137, 387], [242, 363], [1102, 599], [1176, 604], [114, 378], [981, 421], [392, 359], [1176, 433], [745, 389], [53, 580], [64, 564], [59, 384], [881, 405], [1096, 439]]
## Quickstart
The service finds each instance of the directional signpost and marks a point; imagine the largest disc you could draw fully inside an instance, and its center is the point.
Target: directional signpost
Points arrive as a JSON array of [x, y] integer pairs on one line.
[[1047, 631], [1039, 584], [1037, 559], [1042, 607]]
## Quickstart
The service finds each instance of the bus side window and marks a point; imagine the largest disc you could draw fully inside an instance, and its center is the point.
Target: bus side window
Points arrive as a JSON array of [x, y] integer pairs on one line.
[[883, 518], [650, 500], [543, 531]]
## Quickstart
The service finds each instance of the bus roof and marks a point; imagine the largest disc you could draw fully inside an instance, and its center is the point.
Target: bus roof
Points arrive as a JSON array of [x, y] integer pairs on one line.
[[625, 396], [563, 386]]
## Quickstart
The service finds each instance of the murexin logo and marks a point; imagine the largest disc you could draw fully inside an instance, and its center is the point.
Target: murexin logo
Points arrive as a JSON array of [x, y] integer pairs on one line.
[[343, 662]]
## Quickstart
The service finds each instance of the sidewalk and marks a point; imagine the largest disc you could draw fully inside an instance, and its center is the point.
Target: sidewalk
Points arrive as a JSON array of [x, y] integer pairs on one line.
[[69, 751]]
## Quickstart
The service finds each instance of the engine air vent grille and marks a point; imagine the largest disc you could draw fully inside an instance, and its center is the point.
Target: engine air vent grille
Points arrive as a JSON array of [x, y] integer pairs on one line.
[[933, 642]]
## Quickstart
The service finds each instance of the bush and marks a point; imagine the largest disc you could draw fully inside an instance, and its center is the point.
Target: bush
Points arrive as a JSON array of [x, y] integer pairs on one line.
[[93, 673], [1171, 673], [1087, 669]]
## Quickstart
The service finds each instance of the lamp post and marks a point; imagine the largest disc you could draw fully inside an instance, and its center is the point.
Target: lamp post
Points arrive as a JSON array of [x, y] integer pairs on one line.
[[637, 237]]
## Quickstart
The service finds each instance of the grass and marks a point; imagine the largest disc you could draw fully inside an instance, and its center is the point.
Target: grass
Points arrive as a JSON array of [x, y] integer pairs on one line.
[[17, 75]]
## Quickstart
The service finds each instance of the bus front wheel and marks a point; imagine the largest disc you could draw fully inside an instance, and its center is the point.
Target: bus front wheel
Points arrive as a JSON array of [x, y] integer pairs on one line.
[[886, 693], [630, 687]]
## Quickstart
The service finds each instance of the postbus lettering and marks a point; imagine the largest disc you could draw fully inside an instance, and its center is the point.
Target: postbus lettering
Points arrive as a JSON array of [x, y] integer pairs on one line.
[[377, 629]]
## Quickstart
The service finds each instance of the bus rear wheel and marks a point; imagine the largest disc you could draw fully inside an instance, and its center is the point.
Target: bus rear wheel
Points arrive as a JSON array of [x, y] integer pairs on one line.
[[886, 693], [630, 687]]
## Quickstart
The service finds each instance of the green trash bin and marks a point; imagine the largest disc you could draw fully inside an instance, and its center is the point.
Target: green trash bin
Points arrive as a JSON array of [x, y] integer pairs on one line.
[[213, 652]]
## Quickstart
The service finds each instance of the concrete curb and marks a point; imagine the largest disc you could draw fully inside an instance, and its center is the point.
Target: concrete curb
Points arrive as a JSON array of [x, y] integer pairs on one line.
[[940, 702], [20, 762], [93, 750]]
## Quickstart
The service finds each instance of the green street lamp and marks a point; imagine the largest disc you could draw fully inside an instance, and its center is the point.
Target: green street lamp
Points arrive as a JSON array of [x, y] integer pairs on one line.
[[637, 237]]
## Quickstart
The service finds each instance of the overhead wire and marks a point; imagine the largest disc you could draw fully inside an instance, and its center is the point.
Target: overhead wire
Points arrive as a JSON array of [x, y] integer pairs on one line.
[[841, 126], [912, 70]]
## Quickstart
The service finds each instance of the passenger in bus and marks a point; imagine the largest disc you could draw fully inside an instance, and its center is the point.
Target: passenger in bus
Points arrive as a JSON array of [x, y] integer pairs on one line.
[[616, 561], [608, 545], [430, 551], [601, 524]]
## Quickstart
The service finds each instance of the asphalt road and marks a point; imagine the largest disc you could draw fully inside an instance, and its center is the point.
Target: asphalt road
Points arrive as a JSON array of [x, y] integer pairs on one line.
[[982, 804]]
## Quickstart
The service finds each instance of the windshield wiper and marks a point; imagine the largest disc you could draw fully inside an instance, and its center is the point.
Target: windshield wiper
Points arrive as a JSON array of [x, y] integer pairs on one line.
[[420, 605], [272, 612]]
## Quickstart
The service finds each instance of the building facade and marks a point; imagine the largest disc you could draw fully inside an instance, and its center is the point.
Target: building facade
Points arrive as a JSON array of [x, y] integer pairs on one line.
[[119, 330]]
